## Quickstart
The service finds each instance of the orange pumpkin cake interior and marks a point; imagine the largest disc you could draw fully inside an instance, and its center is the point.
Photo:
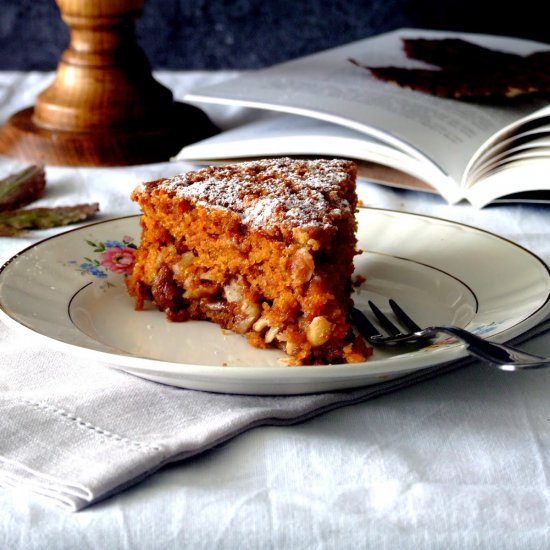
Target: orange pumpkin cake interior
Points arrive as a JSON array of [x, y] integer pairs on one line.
[[264, 248]]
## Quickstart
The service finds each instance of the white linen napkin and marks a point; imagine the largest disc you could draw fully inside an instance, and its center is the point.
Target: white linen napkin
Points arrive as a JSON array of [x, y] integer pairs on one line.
[[76, 432]]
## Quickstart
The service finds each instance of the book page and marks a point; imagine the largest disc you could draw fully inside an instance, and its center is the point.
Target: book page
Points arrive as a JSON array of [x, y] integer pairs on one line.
[[296, 136], [532, 146], [525, 177], [524, 132], [443, 132], [292, 135]]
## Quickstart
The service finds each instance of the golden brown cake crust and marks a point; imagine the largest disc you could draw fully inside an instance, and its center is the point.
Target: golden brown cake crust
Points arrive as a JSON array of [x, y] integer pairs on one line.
[[263, 248]]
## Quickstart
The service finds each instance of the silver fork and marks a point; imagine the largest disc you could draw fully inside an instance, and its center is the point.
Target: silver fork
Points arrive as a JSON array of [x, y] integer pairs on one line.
[[498, 355]]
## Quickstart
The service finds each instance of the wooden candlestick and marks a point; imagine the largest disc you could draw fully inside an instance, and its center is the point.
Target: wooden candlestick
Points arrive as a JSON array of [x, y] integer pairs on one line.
[[104, 107]]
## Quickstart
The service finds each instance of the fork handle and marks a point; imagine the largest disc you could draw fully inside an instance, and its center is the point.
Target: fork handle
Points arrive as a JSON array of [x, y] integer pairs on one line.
[[506, 357]]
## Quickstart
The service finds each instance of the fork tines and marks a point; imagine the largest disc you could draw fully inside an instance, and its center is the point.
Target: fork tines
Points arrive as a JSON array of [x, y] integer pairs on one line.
[[394, 334], [403, 317]]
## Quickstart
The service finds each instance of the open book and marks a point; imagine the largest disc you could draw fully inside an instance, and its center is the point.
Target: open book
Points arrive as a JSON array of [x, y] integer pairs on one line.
[[479, 151]]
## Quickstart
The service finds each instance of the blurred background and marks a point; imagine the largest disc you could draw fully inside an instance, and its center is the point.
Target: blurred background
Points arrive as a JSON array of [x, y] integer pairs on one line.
[[248, 34]]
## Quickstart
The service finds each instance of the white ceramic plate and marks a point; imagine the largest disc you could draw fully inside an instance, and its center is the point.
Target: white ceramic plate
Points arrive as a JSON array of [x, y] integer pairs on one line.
[[70, 289]]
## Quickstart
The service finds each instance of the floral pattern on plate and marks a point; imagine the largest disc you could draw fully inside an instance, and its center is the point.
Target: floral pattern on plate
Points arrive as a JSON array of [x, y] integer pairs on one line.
[[113, 256]]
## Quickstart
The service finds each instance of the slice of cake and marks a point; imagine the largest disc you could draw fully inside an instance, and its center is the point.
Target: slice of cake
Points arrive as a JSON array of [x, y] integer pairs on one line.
[[263, 248]]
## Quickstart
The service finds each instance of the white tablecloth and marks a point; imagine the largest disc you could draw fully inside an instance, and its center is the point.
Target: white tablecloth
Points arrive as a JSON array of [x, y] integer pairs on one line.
[[458, 461]]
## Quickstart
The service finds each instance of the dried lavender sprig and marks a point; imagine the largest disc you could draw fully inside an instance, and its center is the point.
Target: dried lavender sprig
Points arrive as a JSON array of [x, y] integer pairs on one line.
[[13, 222]]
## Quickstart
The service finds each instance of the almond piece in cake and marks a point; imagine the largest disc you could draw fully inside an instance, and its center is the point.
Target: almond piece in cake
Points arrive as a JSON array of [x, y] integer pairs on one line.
[[263, 248]]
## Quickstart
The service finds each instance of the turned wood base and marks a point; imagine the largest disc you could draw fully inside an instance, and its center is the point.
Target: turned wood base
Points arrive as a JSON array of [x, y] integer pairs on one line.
[[21, 138], [104, 108]]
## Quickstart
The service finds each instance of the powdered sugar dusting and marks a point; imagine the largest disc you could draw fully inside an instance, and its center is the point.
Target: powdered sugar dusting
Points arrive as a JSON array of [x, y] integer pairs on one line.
[[268, 194]]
